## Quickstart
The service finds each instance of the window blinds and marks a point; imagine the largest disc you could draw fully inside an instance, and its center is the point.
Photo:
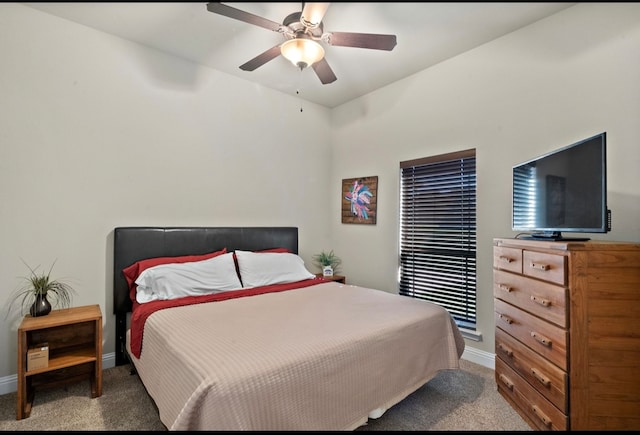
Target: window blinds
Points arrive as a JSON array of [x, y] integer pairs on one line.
[[438, 232]]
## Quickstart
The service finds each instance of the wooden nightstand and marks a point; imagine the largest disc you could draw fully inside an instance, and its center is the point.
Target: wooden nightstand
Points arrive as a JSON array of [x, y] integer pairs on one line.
[[338, 278], [74, 338]]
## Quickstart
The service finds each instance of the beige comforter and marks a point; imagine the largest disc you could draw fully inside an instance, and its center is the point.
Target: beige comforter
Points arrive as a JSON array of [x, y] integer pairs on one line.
[[318, 358]]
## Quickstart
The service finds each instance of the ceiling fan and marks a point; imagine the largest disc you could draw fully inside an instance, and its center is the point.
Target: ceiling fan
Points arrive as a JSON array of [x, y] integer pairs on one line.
[[302, 32]]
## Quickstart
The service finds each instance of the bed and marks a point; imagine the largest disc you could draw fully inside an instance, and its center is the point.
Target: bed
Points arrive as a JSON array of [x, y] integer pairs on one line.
[[306, 354]]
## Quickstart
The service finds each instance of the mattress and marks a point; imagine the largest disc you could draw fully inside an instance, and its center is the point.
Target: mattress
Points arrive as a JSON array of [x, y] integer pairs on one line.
[[323, 357]]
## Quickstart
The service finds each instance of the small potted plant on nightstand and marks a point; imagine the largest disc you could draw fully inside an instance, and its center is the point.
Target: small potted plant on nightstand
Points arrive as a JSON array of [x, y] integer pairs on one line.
[[33, 296], [328, 262]]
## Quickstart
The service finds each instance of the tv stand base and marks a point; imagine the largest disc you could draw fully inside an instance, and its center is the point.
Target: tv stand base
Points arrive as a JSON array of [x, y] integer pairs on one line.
[[553, 237]]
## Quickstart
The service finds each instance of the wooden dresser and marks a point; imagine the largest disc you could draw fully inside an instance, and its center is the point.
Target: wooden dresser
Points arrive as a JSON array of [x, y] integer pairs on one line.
[[567, 333]]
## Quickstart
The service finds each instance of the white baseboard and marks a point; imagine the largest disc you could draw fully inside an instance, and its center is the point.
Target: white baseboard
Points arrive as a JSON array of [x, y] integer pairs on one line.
[[9, 384], [480, 357], [108, 360]]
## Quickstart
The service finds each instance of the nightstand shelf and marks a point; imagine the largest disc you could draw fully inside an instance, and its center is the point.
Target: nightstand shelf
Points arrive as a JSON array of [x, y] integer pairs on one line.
[[74, 339], [338, 278], [69, 357]]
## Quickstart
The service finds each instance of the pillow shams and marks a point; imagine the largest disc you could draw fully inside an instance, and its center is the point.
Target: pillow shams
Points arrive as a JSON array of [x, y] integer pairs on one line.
[[172, 281], [132, 272], [265, 268]]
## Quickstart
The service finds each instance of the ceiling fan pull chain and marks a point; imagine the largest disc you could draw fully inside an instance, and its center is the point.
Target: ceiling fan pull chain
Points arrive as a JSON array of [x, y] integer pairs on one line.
[[298, 94], [298, 89]]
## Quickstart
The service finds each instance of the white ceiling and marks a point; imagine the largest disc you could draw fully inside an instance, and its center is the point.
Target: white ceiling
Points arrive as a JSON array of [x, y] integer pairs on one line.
[[427, 33]]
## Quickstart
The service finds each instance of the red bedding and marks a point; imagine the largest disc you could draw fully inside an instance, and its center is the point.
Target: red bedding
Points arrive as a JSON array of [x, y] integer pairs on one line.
[[141, 312]]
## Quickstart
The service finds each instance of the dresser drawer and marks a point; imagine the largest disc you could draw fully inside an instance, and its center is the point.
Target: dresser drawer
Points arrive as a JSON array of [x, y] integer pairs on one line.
[[539, 410], [542, 337], [542, 299], [544, 376], [507, 259], [548, 267]]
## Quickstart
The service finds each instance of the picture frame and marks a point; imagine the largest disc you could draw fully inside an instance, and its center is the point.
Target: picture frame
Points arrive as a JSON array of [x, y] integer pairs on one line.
[[360, 200]]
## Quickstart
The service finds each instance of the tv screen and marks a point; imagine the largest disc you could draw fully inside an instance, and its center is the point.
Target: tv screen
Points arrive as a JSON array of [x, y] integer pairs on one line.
[[563, 191]]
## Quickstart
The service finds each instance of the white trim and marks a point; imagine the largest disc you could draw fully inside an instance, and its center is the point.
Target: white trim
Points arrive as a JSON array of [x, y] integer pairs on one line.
[[486, 359], [8, 384], [108, 360], [471, 334]]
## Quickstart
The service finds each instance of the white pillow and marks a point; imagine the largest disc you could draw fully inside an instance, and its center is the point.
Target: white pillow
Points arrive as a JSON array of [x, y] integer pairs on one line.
[[266, 268], [176, 280]]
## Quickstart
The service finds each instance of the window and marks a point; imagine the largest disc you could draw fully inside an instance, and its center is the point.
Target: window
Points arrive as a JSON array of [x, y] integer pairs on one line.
[[438, 232]]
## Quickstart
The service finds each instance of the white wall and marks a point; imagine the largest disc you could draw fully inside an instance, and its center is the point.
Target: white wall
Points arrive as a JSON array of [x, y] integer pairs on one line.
[[560, 80], [97, 132]]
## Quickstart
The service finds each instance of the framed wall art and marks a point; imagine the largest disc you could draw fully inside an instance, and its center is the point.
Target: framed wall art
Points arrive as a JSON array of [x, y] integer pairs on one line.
[[359, 200]]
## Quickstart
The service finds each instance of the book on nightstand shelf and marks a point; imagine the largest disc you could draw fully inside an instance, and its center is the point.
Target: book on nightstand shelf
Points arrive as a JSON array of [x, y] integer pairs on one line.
[[38, 356]]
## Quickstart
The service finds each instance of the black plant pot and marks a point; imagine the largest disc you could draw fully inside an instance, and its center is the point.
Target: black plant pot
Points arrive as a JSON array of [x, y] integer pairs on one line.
[[40, 307]]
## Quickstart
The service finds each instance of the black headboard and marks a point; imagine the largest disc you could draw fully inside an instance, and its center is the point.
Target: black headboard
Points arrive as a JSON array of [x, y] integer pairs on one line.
[[131, 244]]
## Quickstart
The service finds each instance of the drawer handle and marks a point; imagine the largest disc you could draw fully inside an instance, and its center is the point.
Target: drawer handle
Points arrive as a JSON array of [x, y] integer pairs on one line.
[[545, 420], [541, 338], [506, 381], [540, 266], [541, 301], [505, 259], [506, 319], [505, 349], [504, 287], [543, 380]]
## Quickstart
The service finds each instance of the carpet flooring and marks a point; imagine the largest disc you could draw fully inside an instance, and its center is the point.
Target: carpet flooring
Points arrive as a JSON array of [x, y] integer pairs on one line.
[[456, 400]]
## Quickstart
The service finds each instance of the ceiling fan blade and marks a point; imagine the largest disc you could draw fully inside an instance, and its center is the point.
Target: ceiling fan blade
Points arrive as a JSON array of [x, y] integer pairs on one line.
[[313, 13], [261, 59], [324, 71], [228, 11], [362, 40]]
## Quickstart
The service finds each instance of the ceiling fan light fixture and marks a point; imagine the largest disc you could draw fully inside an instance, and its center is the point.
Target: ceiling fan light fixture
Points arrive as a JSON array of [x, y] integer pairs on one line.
[[302, 52]]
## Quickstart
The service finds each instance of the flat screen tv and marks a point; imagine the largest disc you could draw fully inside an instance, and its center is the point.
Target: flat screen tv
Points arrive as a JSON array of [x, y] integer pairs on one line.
[[564, 191]]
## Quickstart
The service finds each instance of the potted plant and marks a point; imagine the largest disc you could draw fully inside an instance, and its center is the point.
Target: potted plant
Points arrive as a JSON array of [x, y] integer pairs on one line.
[[328, 262], [34, 294]]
